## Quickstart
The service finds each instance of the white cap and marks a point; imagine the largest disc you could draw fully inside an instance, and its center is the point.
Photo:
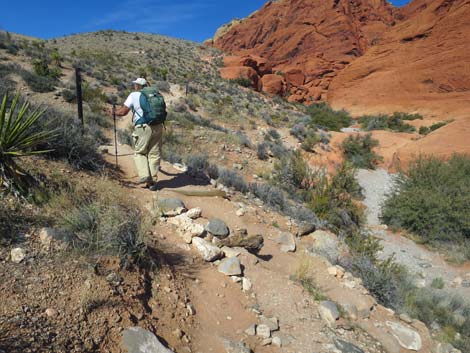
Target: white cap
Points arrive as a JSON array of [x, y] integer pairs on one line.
[[140, 81]]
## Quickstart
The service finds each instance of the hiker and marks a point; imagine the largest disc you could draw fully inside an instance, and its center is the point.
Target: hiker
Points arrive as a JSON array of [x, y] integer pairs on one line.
[[148, 116]]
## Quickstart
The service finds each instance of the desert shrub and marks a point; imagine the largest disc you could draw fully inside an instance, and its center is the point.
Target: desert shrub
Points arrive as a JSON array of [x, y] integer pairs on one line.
[[407, 116], [197, 164], [272, 133], [262, 151], [323, 116], [386, 280], [125, 137], [333, 198], [278, 149], [271, 195], [358, 150], [99, 119], [299, 131], [293, 174], [231, 178], [309, 142], [244, 82], [243, 140], [40, 84], [392, 122], [424, 130], [68, 95], [432, 200], [101, 220]]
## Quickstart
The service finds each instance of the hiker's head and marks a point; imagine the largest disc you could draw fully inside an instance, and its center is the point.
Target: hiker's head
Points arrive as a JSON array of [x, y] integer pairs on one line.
[[139, 83]]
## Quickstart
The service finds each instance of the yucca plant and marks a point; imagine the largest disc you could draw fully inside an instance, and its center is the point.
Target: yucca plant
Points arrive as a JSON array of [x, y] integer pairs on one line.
[[18, 139]]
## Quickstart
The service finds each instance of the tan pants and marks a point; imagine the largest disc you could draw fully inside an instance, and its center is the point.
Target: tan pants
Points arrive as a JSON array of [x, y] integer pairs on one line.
[[148, 140]]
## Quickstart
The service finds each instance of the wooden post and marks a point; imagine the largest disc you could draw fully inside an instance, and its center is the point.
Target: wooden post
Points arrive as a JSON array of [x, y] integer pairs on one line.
[[115, 134], [78, 83]]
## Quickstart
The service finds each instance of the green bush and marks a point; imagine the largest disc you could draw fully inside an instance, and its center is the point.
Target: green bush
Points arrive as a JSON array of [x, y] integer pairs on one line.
[[323, 116], [358, 150], [432, 201], [37, 83], [424, 130], [392, 122], [244, 82]]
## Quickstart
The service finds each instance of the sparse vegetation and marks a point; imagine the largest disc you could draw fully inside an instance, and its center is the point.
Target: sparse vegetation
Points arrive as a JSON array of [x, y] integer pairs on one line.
[[424, 130], [323, 116], [358, 150], [432, 201], [394, 122]]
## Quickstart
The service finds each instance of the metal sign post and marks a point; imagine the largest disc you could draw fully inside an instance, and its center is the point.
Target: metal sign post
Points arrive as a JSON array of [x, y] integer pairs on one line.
[[115, 134], [78, 82]]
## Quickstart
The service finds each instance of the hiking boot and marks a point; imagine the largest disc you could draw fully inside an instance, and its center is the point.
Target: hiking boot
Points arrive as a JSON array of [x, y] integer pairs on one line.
[[153, 187]]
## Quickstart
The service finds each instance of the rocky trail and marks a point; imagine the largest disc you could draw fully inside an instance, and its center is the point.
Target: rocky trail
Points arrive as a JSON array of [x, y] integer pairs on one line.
[[240, 301], [426, 264]]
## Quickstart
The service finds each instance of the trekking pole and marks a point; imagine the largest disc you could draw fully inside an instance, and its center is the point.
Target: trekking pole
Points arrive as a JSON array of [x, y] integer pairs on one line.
[[115, 134]]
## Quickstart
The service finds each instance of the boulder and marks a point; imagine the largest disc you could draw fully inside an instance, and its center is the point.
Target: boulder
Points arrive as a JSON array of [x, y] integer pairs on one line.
[[237, 72], [231, 252], [230, 266], [138, 340], [329, 313], [217, 228], [273, 84], [295, 77], [208, 251], [406, 337], [252, 243], [287, 242], [171, 207], [306, 228], [251, 330], [351, 311], [246, 284]]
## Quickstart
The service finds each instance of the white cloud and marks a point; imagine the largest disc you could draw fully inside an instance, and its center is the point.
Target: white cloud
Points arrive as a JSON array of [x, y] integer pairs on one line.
[[151, 15]]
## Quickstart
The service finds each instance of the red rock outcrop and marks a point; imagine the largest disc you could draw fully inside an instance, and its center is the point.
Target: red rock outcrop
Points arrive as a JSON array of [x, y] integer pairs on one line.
[[273, 84], [309, 40], [243, 72]]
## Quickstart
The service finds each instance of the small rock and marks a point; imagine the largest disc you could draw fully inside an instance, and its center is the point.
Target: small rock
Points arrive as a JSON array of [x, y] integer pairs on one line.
[[346, 347], [340, 272], [138, 340], [187, 228], [457, 282], [191, 309], [236, 347], [287, 242], [271, 322], [263, 331], [266, 342], [240, 212], [194, 213], [52, 313], [332, 271], [277, 341], [420, 282], [251, 330], [17, 255], [236, 279], [329, 312], [306, 228], [246, 284], [230, 252], [230, 266], [217, 228], [406, 337], [406, 318], [178, 333], [208, 251], [350, 311]]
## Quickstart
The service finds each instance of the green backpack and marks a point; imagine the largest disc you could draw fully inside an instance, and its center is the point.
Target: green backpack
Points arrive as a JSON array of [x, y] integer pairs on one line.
[[153, 106]]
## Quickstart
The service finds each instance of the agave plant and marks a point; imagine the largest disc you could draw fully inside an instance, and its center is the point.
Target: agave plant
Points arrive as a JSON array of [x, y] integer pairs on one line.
[[17, 139]]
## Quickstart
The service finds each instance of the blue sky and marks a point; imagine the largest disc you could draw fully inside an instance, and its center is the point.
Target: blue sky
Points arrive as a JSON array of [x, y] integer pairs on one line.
[[195, 20]]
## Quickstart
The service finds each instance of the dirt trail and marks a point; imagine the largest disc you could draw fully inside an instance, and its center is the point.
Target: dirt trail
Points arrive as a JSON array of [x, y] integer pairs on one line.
[[426, 264], [223, 310]]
